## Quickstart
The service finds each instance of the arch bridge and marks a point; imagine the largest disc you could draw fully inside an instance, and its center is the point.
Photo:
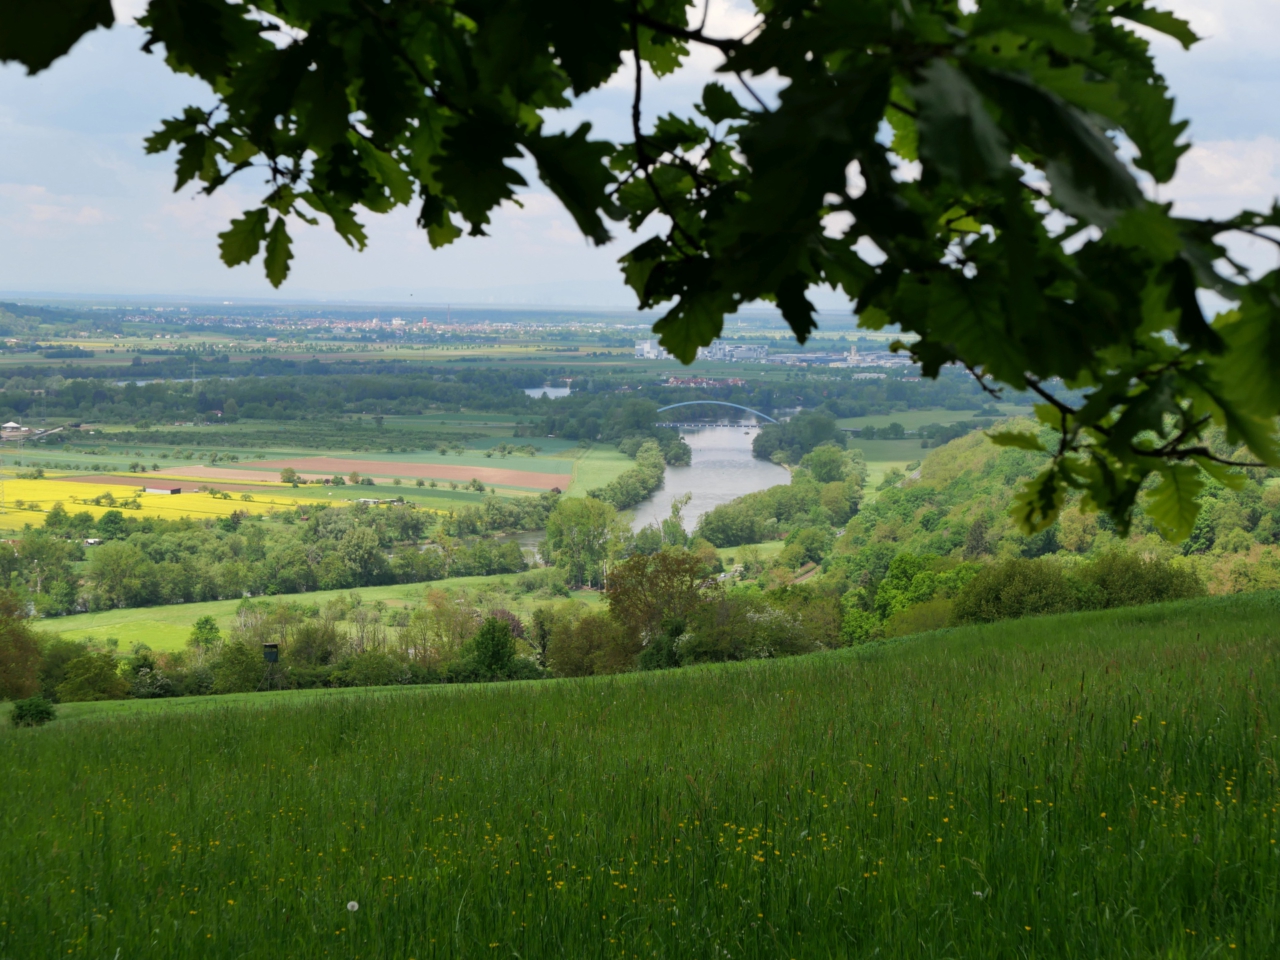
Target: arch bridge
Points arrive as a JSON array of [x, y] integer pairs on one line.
[[717, 403]]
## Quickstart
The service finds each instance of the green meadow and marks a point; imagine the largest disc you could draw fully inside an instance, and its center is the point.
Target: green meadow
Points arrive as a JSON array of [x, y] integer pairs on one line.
[[597, 467], [166, 628], [915, 419], [1098, 785]]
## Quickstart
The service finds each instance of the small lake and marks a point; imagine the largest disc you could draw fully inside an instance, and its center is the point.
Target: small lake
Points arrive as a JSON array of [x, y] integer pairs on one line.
[[555, 393], [722, 470]]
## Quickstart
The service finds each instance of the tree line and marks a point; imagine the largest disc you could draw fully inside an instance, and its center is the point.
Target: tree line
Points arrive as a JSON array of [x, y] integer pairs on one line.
[[150, 561], [662, 610]]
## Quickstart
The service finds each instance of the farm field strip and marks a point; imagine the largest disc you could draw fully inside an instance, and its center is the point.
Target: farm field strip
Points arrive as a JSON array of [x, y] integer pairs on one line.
[[40, 495], [915, 419], [73, 492], [140, 481], [320, 467], [558, 462], [537, 473]]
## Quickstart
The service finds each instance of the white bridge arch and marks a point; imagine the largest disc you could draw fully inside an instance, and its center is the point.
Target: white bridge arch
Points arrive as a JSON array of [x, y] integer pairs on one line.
[[717, 403]]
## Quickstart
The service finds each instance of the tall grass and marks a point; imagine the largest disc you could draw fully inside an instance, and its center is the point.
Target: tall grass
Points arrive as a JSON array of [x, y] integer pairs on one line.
[[1099, 785]]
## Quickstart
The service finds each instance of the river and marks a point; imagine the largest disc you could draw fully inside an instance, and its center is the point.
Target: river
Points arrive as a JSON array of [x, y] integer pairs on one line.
[[722, 469]]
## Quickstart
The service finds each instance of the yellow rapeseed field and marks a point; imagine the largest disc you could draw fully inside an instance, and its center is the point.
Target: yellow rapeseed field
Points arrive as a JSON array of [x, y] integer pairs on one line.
[[26, 500]]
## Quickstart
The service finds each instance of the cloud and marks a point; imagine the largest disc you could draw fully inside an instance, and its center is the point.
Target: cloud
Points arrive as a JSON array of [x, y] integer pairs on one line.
[[34, 212], [128, 11], [1218, 178], [86, 211]]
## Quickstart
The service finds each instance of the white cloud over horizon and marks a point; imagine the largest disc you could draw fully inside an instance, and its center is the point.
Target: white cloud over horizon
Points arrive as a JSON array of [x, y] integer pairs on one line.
[[86, 213]]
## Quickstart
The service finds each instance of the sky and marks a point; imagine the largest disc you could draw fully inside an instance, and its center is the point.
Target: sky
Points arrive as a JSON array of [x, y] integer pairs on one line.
[[85, 213]]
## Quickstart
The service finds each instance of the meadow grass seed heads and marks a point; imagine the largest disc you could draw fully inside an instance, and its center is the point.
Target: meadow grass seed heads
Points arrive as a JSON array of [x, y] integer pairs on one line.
[[435, 774]]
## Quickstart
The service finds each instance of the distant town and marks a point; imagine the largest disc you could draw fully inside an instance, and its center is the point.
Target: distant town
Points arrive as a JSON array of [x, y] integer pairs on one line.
[[759, 353]]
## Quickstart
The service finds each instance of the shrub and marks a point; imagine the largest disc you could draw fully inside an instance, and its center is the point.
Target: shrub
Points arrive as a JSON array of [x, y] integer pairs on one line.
[[718, 630], [731, 525], [204, 633], [1125, 580], [198, 682], [150, 683], [373, 669], [421, 673], [923, 617], [19, 652], [93, 677], [315, 643], [522, 668], [32, 712], [56, 654], [1015, 588], [591, 644], [776, 633], [677, 453], [661, 652], [238, 669], [858, 625], [1021, 587], [466, 671], [815, 610], [796, 437], [493, 649]]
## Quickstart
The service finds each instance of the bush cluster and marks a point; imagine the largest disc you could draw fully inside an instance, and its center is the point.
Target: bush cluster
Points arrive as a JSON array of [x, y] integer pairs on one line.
[[919, 593], [1020, 588], [33, 712], [789, 442]]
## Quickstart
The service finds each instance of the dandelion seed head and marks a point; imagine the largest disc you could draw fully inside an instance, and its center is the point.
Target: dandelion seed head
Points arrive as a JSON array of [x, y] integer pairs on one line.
[[353, 906]]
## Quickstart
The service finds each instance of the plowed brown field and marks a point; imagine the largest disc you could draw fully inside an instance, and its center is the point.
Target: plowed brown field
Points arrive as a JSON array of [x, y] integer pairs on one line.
[[186, 485], [317, 468]]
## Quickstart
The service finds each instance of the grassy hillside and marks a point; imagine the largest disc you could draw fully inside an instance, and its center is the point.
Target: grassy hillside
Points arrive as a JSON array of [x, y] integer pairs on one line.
[[1102, 785]]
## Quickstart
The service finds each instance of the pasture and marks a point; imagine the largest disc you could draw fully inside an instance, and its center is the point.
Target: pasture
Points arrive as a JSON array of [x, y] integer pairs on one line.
[[915, 419], [166, 628], [1099, 785]]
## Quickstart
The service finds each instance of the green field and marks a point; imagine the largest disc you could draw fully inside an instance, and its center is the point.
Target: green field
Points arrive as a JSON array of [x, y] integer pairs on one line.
[[167, 628], [1102, 785], [885, 455], [915, 419], [597, 467]]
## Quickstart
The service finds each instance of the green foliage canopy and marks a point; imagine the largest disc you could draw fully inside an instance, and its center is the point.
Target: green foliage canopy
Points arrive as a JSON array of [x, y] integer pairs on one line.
[[1012, 109]]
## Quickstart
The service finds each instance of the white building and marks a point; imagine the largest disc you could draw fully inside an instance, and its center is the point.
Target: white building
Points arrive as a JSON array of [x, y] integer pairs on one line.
[[722, 350], [850, 360], [650, 350]]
